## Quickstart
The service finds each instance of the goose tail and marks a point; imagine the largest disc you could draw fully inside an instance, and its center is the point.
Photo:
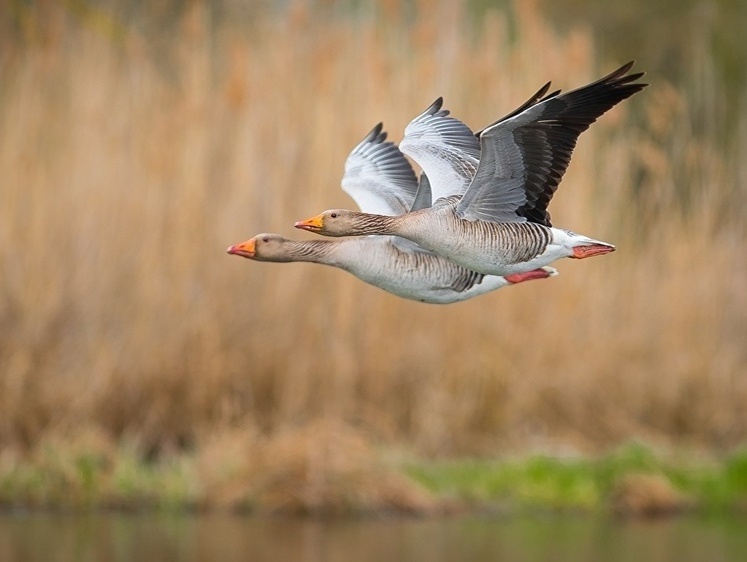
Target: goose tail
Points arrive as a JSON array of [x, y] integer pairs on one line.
[[584, 247]]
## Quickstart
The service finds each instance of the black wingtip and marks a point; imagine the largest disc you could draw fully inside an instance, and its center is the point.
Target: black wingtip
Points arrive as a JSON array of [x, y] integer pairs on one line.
[[621, 76], [376, 135], [537, 97], [436, 108], [542, 91], [627, 66]]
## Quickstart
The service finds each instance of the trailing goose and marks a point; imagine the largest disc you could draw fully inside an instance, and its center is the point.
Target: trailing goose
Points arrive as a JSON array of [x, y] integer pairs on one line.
[[500, 226], [380, 179]]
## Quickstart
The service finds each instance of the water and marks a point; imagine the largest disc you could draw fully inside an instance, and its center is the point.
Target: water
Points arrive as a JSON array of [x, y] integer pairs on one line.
[[209, 538]]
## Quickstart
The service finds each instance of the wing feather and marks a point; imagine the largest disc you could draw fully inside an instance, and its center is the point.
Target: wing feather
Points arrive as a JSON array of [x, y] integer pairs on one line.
[[379, 177], [445, 148], [525, 154]]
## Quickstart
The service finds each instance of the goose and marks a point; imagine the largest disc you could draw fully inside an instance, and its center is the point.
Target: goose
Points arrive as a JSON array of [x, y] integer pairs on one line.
[[500, 225], [380, 179]]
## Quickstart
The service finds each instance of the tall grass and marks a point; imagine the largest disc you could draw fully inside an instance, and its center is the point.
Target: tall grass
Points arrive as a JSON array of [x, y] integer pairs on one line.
[[131, 159]]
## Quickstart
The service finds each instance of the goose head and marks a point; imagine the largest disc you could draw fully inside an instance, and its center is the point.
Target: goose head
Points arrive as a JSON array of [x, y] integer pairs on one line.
[[340, 222], [262, 247]]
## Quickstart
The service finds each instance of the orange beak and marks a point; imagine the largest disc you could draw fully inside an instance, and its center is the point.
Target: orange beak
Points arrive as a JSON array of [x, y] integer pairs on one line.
[[313, 224], [245, 249]]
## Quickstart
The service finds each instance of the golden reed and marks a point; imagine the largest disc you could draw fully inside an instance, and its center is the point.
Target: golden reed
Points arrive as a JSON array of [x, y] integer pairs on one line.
[[130, 159]]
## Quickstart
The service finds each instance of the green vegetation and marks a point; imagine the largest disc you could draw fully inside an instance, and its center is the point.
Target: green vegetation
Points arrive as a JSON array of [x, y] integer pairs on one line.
[[632, 480], [591, 484], [58, 478]]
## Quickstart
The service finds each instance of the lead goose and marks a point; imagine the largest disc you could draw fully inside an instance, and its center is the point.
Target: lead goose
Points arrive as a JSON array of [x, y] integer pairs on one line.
[[500, 226], [380, 179]]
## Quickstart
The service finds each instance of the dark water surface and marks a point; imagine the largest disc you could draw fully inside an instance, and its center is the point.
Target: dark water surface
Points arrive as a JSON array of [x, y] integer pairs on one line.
[[193, 538]]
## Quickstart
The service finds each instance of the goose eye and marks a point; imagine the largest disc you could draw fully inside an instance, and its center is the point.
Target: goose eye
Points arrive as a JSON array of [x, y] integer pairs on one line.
[[265, 239], [333, 215]]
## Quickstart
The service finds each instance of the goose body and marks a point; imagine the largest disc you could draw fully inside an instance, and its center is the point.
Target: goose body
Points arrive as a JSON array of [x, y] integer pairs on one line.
[[380, 179], [419, 276], [500, 225], [483, 246]]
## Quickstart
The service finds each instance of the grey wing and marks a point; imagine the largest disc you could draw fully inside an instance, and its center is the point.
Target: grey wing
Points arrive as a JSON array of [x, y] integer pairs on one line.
[[526, 153], [379, 177], [445, 148], [423, 198]]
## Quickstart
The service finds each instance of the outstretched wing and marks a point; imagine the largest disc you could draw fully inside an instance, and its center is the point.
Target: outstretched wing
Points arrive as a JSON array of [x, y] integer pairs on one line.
[[445, 148], [378, 176], [525, 154]]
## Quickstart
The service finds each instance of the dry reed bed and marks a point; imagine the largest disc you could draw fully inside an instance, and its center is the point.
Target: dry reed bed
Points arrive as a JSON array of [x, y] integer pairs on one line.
[[130, 164]]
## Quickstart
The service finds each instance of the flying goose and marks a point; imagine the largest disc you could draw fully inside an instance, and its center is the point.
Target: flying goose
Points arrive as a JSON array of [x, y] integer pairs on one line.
[[500, 226], [380, 179]]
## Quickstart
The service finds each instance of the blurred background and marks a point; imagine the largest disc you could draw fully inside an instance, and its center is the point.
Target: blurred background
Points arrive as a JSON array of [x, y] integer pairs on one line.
[[139, 139]]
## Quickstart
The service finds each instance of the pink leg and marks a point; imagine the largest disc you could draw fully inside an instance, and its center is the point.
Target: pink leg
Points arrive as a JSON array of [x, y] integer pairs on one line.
[[527, 276]]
